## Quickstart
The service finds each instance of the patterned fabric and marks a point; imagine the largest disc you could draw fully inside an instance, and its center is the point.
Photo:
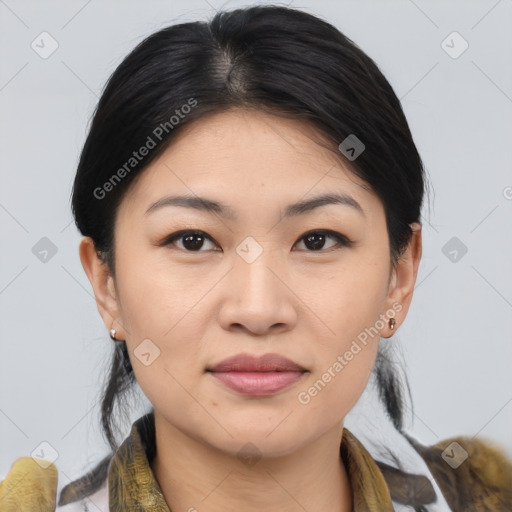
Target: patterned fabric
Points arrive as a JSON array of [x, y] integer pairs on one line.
[[29, 486], [459, 474], [388, 472], [133, 487], [132, 484], [412, 485]]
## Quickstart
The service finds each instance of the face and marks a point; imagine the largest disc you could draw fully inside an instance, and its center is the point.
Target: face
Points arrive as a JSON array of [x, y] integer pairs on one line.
[[313, 284]]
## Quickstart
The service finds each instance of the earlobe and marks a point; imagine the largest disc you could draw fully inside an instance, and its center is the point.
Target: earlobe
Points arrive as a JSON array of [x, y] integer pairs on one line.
[[403, 279], [101, 280]]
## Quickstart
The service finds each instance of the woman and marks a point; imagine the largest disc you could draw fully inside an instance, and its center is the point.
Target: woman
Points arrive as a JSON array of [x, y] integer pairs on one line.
[[250, 194]]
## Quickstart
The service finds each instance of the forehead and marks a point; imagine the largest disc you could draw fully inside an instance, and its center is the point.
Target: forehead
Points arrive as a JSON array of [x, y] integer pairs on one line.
[[247, 157]]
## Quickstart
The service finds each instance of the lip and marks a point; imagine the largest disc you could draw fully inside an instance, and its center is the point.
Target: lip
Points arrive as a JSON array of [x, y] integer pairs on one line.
[[249, 363], [257, 376]]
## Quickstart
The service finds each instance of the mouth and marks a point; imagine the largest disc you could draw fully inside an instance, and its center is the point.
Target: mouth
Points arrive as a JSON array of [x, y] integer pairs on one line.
[[257, 376], [250, 363]]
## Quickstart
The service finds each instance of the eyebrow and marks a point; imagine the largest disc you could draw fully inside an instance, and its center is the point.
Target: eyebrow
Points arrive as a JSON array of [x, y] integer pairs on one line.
[[292, 210]]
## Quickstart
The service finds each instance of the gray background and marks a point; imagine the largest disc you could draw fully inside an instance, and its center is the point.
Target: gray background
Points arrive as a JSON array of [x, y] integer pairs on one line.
[[456, 338]]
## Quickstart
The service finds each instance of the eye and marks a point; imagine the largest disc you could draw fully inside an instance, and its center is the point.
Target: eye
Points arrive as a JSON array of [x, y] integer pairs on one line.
[[315, 240], [192, 240]]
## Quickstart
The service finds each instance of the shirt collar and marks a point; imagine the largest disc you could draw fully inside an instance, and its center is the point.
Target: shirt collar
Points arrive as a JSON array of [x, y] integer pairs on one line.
[[132, 485]]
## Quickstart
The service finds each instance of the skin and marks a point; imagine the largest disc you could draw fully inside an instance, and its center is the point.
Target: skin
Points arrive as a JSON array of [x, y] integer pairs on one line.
[[201, 307]]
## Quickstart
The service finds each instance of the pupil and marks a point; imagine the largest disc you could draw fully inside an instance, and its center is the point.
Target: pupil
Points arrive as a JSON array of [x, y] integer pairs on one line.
[[187, 240], [318, 241]]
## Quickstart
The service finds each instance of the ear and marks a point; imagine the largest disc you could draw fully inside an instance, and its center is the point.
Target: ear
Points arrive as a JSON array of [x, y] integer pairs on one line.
[[403, 279], [102, 283]]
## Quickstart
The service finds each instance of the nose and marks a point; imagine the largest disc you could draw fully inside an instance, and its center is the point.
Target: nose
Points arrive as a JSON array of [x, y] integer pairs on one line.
[[258, 297]]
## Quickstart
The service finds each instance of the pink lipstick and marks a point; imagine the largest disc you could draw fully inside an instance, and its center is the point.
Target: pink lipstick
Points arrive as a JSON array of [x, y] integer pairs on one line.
[[257, 376]]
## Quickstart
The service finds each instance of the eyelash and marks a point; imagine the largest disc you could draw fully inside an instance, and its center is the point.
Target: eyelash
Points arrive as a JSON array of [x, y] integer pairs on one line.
[[343, 241]]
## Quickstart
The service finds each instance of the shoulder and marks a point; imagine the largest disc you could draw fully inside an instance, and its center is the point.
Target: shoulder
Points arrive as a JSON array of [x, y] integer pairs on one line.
[[31, 485], [471, 472]]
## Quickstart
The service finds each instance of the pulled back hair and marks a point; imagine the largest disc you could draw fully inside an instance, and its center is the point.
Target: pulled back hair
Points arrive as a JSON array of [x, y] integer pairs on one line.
[[271, 58]]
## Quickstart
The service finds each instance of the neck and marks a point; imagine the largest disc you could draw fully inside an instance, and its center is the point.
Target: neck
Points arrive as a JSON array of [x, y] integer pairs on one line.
[[194, 476]]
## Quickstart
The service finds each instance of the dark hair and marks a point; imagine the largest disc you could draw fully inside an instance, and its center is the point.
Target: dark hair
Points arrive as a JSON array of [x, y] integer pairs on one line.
[[271, 58]]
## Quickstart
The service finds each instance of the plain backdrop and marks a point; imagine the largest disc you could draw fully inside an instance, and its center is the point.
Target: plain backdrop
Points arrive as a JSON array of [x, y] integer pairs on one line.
[[456, 340]]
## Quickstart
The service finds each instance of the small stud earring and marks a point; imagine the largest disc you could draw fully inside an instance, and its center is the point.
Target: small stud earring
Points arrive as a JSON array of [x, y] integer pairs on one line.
[[392, 323]]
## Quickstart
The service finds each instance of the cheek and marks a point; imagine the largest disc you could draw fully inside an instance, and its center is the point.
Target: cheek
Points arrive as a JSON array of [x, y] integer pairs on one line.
[[176, 367], [154, 295], [163, 320], [350, 301], [350, 306], [337, 383]]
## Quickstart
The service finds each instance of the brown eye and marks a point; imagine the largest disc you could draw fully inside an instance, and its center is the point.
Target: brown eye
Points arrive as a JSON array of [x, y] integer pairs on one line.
[[315, 241], [192, 241]]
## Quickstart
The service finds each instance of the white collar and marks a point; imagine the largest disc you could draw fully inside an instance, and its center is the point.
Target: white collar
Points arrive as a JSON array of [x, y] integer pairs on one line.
[[369, 421]]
